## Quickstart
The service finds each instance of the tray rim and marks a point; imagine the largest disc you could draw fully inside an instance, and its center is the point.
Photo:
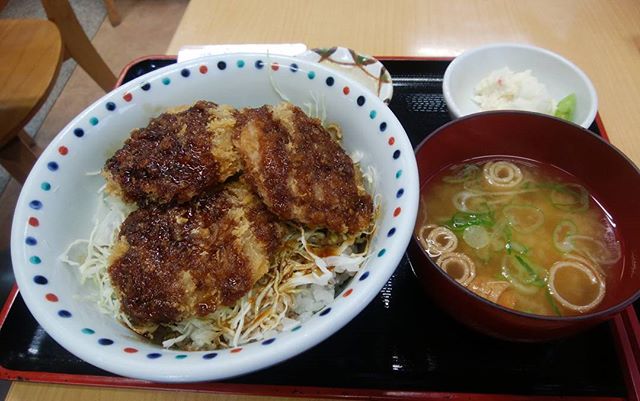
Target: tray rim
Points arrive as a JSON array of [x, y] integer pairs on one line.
[[624, 326]]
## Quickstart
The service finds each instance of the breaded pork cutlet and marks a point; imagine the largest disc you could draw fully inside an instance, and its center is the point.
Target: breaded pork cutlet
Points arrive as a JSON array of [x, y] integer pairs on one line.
[[180, 261], [299, 171], [176, 156]]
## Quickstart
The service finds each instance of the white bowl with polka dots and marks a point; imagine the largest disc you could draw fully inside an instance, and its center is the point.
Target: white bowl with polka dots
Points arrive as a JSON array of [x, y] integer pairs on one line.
[[59, 199]]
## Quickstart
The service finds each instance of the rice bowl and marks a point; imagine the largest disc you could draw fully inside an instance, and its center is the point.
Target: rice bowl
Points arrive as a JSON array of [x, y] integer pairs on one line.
[[560, 76], [62, 198], [301, 278]]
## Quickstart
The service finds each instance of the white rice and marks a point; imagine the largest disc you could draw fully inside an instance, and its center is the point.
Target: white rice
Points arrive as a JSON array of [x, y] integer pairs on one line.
[[504, 89]]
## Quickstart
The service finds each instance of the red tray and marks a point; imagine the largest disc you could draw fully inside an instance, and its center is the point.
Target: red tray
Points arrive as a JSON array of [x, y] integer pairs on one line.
[[624, 328]]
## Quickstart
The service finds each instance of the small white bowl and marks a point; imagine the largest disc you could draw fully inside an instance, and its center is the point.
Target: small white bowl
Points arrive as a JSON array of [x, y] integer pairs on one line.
[[559, 75], [59, 199]]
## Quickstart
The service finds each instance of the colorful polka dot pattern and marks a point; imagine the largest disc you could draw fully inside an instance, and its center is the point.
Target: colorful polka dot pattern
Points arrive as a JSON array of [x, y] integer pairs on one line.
[[325, 312], [110, 106], [64, 313]]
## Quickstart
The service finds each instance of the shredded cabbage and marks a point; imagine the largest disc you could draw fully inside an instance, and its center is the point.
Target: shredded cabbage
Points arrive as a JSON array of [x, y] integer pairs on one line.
[[299, 284], [91, 256], [316, 109], [275, 87]]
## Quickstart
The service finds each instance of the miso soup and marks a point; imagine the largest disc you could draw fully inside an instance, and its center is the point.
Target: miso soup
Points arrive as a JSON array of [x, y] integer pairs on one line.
[[521, 234]]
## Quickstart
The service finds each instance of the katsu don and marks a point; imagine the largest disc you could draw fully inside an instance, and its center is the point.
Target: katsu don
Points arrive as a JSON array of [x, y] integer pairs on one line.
[[299, 171], [176, 156], [186, 260]]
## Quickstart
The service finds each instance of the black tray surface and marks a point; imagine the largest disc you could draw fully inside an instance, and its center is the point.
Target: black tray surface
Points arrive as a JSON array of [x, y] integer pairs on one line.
[[401, 340]]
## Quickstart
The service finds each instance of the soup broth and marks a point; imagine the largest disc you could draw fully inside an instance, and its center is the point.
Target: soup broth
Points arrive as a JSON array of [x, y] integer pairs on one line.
[[521, 234]]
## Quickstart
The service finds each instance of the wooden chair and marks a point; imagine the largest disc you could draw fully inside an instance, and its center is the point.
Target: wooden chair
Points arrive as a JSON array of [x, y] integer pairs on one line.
[[32, 51], [112, 12], [76, 43]]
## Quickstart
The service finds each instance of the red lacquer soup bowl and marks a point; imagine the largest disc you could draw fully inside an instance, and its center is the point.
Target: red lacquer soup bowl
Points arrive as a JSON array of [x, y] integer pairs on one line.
[[609, 176]]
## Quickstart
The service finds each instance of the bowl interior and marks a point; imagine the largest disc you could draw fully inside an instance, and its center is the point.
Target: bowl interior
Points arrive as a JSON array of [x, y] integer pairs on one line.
[[59, 199], [606, 173], [560, 76]]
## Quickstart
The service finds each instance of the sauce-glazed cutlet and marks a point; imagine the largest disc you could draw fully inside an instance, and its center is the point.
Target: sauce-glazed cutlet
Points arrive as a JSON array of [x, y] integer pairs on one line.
[[299, 171], [180, 261], [176, 156]]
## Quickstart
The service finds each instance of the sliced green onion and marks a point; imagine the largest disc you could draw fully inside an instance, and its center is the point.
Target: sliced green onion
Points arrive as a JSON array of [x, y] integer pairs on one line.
[[517, 284], [570, 197], [524, 278], [561, 234], [554, 307], [507, 233], [498, 244], [512, 246], [596, 250], [524, 218], [476, 236], [462, 173], [484, 255], [534, 278], [470, 202], [462, 220], [528, 185]]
